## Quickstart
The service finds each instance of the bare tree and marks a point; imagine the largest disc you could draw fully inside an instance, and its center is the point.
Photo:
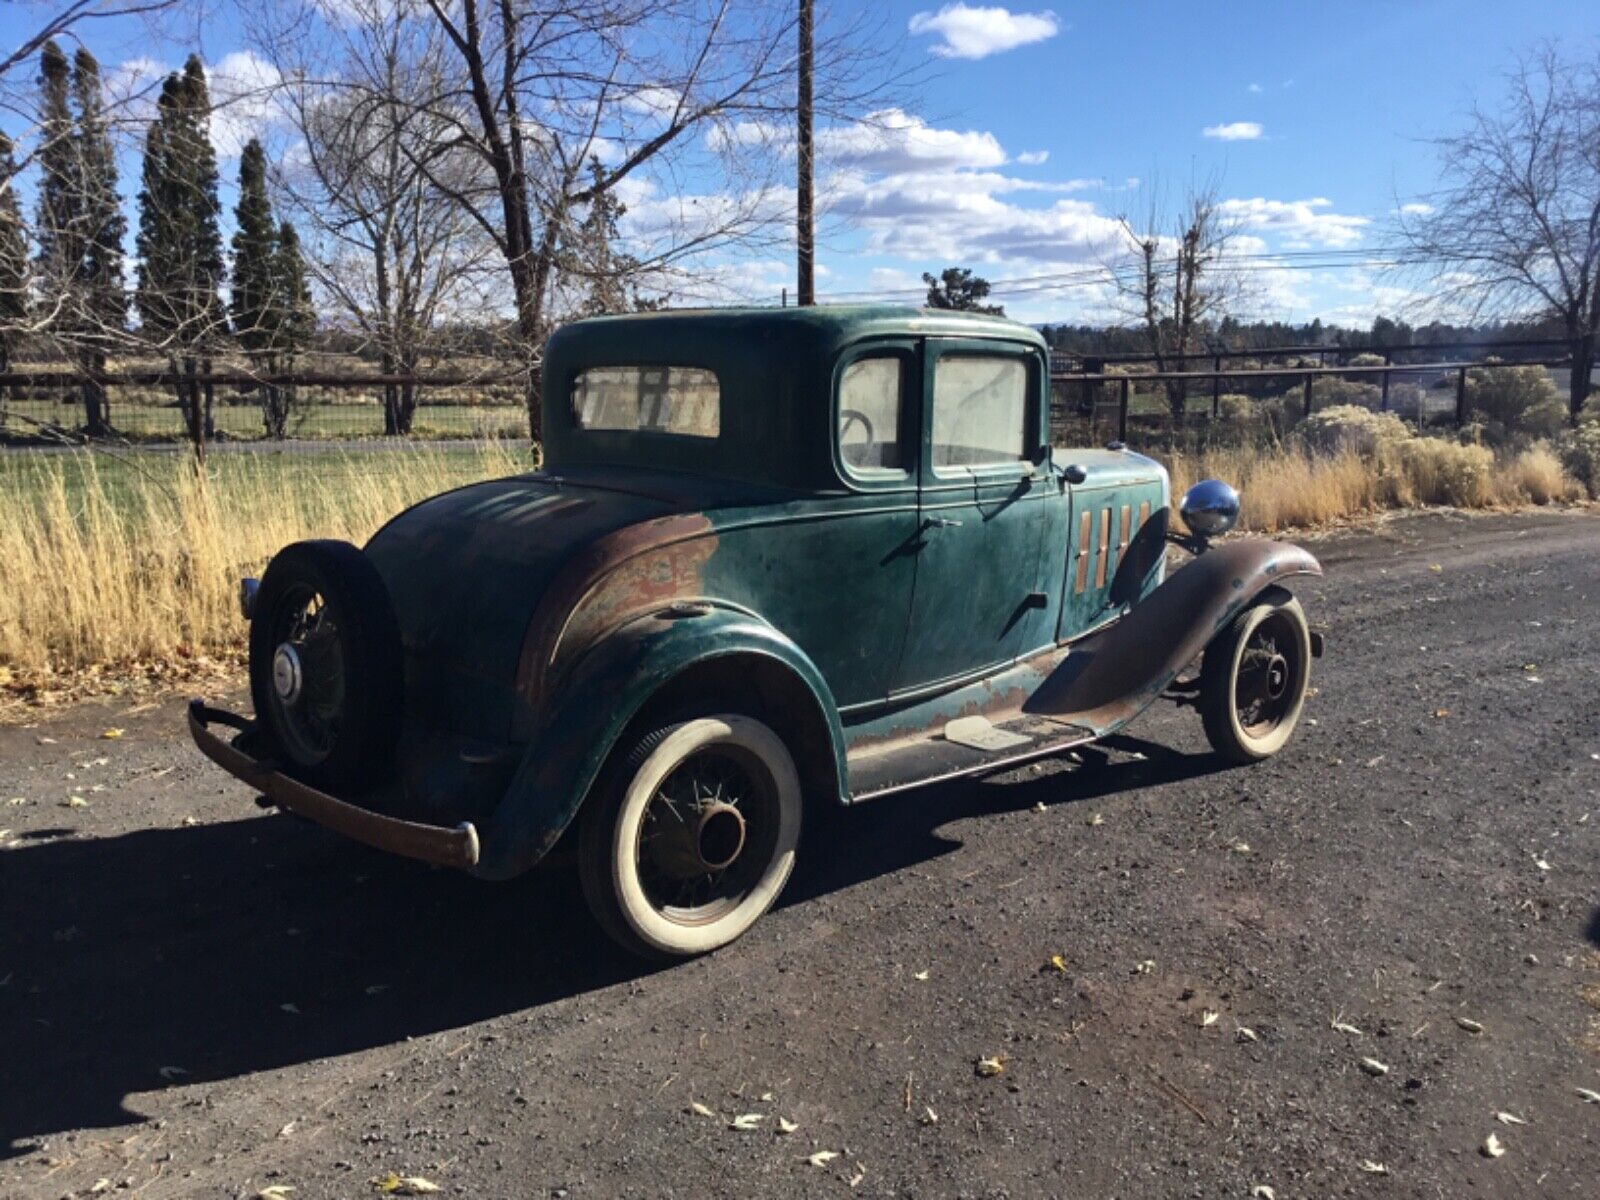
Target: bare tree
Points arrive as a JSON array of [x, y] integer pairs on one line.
[[1513, 227], [57, 18], [552, 88], [379, 178], [1177, 283]]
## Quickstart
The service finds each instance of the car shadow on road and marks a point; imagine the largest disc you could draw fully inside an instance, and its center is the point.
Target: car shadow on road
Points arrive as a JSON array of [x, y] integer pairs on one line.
[[173, 956]]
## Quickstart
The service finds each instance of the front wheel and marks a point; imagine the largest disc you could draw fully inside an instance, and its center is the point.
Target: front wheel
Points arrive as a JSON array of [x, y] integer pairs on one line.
[[1253, 679], [691, 836]]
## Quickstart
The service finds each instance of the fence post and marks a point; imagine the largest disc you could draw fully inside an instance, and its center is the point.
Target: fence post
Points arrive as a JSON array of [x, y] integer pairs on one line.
[[1122, 416], [1309, 379], [1461, 397], [1388, 359], [1216, 387]]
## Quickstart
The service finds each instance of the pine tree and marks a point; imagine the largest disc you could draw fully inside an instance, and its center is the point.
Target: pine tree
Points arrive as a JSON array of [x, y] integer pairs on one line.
[[255, 246], [13, 258], [294, 319], [102, 302], [180, 245]]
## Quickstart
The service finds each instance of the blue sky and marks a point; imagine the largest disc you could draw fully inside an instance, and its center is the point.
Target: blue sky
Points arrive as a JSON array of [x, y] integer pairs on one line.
[[1037, 125]]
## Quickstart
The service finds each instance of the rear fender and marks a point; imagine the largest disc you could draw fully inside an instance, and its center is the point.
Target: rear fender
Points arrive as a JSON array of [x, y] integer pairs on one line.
[[1112, 676], [598, 699]]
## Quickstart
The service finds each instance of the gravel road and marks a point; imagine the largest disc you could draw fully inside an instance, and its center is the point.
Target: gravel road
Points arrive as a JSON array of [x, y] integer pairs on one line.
[[198, 999]]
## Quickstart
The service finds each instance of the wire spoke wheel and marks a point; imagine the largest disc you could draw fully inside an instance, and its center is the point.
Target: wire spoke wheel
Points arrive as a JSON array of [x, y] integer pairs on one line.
[[308, 674], [1254, 678], [692, 836]]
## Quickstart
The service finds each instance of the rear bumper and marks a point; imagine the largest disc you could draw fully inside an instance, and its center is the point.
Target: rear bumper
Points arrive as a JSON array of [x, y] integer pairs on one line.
[[437, 844]]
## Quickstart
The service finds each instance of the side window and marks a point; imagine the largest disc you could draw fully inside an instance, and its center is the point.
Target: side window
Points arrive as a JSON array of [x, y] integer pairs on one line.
[[870, 402], [980, 410]]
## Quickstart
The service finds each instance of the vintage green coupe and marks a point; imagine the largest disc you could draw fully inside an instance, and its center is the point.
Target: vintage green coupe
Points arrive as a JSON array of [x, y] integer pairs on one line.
[[776, 559]]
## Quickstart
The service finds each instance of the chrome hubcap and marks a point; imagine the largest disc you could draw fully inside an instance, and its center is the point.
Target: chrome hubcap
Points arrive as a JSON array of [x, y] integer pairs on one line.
[[286, 674]]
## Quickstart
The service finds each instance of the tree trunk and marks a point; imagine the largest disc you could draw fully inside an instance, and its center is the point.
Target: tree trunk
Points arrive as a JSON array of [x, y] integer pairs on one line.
[[96, 417], [392, 426], [194, 417], [1583, 349]]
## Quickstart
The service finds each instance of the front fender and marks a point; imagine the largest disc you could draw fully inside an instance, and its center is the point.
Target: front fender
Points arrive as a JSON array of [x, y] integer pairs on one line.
[[597, 700], [1112, 676]]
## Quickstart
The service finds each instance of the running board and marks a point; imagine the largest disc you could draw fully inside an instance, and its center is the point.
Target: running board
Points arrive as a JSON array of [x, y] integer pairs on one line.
[[965, 746]]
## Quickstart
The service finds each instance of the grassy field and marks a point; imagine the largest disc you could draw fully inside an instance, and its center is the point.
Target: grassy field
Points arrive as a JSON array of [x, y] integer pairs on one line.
[[243, 421], [119, 568], [110, 564]]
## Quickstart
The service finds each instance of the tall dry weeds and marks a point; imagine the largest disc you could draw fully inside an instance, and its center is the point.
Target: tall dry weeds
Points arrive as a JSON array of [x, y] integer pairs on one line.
[[106, 565]]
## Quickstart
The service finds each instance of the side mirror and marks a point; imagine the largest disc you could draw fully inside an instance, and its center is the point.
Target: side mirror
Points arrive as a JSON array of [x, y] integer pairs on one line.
[[1074, 473], [1209, 508]]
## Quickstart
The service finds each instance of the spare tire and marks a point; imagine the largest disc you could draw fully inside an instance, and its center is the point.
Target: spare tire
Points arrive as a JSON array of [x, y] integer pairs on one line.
[[325, 666]]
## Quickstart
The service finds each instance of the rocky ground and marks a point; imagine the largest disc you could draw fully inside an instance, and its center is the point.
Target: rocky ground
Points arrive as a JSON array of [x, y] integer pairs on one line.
[[1334, 974]]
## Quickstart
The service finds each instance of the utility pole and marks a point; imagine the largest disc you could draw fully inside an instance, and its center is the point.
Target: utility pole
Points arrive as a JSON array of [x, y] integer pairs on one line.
[[805, 291]]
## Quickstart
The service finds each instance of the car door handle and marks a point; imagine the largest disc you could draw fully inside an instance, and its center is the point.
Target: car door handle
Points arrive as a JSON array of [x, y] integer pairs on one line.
[[940, 523]]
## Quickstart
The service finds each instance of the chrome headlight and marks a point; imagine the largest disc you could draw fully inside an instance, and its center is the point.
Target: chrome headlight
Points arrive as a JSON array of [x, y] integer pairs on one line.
[[1209, 508]]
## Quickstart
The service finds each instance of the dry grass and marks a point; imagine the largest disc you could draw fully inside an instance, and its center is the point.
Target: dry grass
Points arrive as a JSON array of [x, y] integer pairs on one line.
[[107, 567], [1290, 487]]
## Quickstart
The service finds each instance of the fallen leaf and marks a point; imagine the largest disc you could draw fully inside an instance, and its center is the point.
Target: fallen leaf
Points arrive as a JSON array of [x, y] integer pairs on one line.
[[858, 1176], [99, 1185], [1262, 1191], [1541, 864], [111, 735], [1056, 963], [786, 1126], [1208, 1018], [700, 1110], [171, 1072], [1039, 807], [1506, 1118], [1239, 847], [1343, 1026], [1469, 1025], [1373, 1168], [768, 1097], [1097, 819], [1441, 712], [74, 802], [17, 800], [287, 1129], [1435, 568], [928, 1117], [990, 1067], [1373, 1067], [1589, 1097], [190, 822], [277, 1191], [1245, 1034], [403, 1185], [1492, 1147], [1144, 967], [822, 1158], [747, 1122], [921, 977]]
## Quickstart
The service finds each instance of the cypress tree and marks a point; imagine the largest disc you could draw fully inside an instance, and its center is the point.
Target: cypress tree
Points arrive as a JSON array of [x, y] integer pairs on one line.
[[295, 319], [180, 245], [103, 303], [258, 302], [13, 258], [58, 222]]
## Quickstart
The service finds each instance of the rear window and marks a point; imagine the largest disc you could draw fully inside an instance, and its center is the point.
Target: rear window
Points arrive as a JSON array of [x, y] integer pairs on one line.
[[685, 401]]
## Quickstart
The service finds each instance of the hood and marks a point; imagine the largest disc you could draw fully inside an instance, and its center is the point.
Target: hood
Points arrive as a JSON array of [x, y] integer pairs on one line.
[[465, 570]]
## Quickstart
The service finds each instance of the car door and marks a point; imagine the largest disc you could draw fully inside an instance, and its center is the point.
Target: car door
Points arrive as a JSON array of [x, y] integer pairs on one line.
[[976, 597]]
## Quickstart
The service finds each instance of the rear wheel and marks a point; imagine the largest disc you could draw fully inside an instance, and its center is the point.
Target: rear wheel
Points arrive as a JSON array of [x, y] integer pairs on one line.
[[1253, 679], [325, 672], [691, 836]]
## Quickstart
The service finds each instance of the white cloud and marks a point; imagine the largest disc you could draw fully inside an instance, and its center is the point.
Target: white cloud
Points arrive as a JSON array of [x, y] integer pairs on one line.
[[887, 141], [1303, 223], [1254, 88], [968, 32], [1234, 131], [1033, 158], [1415, 209], [243, 100]]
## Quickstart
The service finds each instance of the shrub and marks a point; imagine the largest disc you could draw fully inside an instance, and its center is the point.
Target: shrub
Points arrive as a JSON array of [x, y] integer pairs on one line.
[[1580, 453], [1426, 470], [1514, 399], [1536, 474], [1348, 427]]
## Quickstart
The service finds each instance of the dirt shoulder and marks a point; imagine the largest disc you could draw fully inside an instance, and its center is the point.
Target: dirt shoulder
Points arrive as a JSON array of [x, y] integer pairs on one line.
[[204, 1000]]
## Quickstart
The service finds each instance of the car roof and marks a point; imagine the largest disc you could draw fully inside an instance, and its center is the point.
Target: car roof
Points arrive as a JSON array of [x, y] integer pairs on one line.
[[844, 322]]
